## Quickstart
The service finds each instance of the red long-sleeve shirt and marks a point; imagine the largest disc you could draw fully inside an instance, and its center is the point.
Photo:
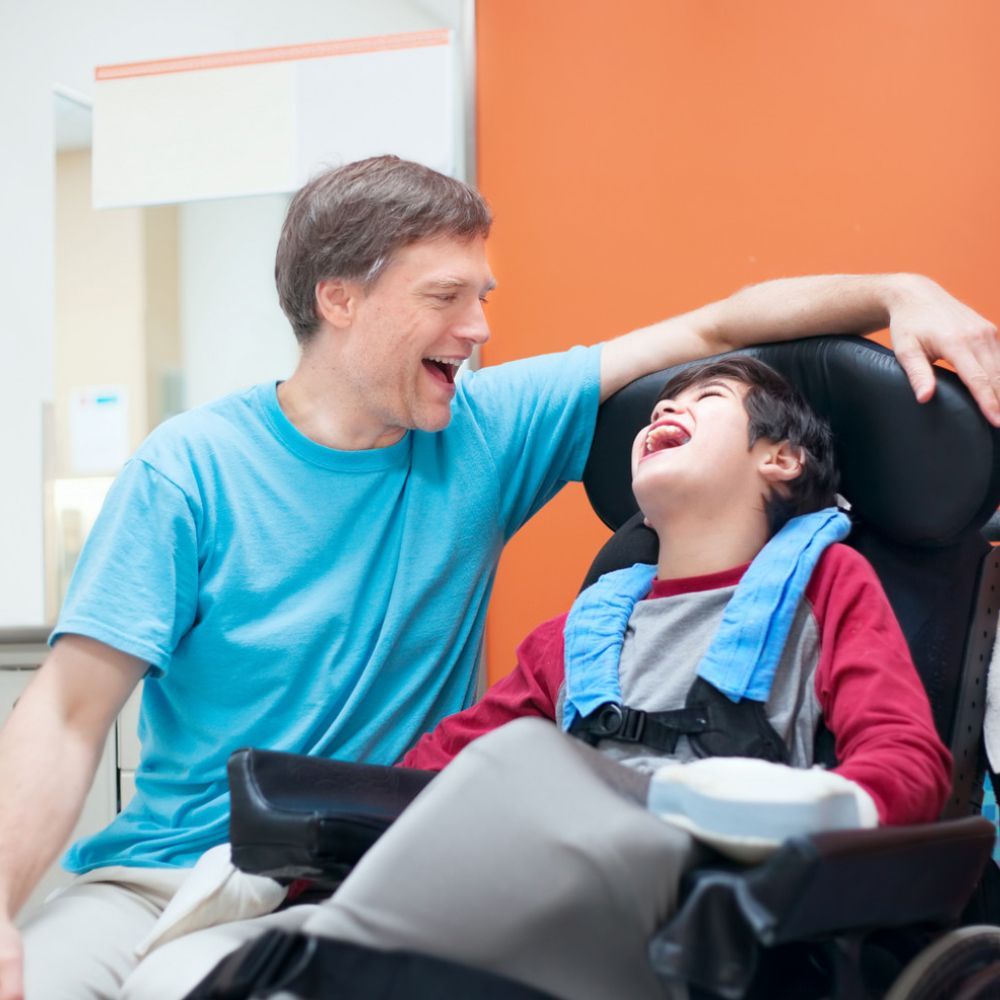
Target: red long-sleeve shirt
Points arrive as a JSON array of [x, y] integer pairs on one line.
[[865, 682]]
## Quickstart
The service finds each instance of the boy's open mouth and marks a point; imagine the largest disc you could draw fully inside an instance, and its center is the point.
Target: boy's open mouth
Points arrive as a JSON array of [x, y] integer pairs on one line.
[[663, 437], [443, 369]]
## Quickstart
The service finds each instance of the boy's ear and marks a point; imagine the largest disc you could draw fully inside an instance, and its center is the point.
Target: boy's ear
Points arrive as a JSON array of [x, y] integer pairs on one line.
[[781, 463], [336, 301]]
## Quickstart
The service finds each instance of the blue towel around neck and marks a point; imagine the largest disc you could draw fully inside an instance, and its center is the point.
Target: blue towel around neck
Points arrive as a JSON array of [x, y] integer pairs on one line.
[[593, 637], [746, 650]]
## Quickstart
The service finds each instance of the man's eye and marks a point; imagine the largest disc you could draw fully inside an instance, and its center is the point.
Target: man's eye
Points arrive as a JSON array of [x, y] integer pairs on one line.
[[446, 297]]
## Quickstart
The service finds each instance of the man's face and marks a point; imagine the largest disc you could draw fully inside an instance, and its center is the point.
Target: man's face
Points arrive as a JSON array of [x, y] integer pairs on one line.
[[412, 329], [695, 450]]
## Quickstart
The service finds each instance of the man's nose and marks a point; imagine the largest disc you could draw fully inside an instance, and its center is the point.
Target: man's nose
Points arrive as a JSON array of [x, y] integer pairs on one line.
[[474, 327]]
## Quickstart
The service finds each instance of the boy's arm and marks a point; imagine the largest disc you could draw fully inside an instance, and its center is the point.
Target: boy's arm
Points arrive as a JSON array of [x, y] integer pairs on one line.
[[49, 750], [925, 322], [871, 695], [530, 689]]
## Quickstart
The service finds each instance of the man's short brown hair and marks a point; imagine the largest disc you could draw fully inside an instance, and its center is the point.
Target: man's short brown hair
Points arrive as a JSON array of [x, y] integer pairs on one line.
[[348, 222]]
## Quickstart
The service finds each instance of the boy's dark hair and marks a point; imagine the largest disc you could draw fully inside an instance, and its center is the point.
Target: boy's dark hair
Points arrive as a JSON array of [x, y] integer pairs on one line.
[[777, 413]]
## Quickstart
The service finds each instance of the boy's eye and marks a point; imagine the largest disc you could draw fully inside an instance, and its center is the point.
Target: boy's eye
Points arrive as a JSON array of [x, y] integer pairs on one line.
[[709, 392]]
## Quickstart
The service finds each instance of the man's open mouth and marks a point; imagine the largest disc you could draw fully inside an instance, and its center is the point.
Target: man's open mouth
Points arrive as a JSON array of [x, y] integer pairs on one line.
[[663, 437], [444, 369]]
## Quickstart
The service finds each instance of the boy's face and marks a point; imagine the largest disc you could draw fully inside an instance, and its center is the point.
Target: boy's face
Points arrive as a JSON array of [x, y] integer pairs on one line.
[[695, 449]]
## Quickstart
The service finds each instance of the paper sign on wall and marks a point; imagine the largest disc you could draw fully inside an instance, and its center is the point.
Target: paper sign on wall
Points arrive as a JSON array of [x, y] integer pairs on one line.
[[98, 429]]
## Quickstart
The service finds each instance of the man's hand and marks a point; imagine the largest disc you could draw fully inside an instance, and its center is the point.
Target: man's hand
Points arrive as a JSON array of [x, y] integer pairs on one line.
[[11, 962], [927, 324]]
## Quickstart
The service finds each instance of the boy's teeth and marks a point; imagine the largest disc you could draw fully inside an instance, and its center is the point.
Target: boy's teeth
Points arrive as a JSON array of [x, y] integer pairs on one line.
[[662, 436]]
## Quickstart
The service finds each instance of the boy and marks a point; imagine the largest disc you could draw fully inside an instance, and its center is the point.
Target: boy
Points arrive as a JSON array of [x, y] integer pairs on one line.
[[713, 504]]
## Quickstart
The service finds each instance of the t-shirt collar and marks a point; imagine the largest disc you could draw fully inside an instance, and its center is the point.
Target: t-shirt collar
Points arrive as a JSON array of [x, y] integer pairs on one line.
[[693, 584], [362, 460]]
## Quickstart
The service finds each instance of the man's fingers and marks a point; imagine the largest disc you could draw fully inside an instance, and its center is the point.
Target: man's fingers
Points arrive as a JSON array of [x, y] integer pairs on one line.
[[918, 370], [976, 362], [974, 353], [986, 349], [979, 369]]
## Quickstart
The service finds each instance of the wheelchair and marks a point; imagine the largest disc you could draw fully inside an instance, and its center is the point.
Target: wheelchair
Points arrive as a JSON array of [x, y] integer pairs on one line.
[[904, 913]]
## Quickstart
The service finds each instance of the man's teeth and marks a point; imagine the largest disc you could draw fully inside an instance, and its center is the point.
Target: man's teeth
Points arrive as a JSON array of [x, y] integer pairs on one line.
[[446, 361], [668, 436]]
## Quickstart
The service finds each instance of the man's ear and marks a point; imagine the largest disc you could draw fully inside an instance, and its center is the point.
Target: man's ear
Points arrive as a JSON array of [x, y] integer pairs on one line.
[[337, 301], [781, 463]]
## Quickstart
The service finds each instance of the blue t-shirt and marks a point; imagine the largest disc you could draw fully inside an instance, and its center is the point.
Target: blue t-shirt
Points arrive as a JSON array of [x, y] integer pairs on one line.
[[292, 596]]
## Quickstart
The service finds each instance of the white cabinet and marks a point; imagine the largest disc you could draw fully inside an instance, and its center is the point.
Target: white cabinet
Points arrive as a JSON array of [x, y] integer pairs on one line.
[[21, 653]]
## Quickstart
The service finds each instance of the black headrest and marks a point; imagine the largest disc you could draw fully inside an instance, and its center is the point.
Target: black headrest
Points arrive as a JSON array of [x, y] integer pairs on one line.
[[920, 473]]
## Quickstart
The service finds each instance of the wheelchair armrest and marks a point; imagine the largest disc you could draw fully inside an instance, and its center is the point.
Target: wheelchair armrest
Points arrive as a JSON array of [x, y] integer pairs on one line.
[[887, 877], [820, 887], [293, 816]]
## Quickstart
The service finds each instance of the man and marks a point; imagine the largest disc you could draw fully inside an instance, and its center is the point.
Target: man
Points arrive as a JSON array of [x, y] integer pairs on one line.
[[307, 566]]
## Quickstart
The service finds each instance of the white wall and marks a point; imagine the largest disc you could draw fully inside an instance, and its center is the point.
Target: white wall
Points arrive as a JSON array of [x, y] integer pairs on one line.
[[233, 331], [46, 43]]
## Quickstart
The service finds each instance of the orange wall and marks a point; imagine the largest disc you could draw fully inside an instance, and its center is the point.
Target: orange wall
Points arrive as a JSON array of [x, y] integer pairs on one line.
[[646, 156]]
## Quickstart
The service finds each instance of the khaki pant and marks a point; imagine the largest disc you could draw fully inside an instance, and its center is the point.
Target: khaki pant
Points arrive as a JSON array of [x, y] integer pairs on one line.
[[80, 945]]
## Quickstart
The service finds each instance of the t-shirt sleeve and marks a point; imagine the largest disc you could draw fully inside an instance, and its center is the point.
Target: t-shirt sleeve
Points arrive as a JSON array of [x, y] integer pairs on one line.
[[531, 689], [135, 586], [537, 420], [871, 695]]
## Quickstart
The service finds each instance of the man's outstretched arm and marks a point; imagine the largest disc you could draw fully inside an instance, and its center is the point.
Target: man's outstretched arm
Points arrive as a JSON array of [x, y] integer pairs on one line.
[[925, 322], [49, 750]]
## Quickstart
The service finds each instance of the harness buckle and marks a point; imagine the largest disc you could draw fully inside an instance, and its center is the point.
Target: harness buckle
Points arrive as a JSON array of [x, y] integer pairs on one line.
[[606, 722], [632, 726], [611, 722]]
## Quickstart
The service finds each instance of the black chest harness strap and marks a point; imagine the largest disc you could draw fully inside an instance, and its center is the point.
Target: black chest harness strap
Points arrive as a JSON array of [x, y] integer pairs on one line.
[[656, 730], [714, 725]]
